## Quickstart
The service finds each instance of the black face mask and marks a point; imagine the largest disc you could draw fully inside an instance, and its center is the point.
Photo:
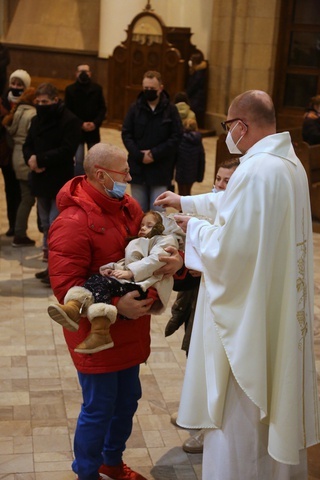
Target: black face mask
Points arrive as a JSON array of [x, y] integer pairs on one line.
[[83, 77], [150, 95], [46, 111], [16, 92]]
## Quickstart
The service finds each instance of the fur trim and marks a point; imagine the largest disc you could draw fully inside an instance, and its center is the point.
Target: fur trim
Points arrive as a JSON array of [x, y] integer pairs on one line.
[[82, 295], [102, 310]]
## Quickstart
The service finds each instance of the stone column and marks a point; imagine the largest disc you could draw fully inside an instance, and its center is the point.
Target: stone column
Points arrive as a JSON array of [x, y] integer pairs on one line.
[[242, 52]]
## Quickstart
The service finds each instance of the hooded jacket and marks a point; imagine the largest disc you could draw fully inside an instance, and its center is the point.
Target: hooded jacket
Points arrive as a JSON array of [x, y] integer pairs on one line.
[[190, 164], [92, 230], [158, 130]]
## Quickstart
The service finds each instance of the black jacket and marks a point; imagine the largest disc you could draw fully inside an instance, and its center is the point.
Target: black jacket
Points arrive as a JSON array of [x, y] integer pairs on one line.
[[190, 164], [54, 140], [86, 101], [196, 88], [158, 130]]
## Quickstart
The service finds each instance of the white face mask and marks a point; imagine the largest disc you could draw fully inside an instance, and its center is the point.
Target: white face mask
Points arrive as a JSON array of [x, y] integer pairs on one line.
[[232, 147]]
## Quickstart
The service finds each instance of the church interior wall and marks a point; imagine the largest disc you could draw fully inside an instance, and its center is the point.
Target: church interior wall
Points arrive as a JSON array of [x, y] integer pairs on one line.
[[238, 38]]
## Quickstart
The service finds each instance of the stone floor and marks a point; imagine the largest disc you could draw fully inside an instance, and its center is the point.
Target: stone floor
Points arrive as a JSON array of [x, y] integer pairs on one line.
[[40, 396]]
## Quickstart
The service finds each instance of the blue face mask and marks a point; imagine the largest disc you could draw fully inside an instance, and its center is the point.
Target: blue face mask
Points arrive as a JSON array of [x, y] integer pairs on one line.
[[119, 189]]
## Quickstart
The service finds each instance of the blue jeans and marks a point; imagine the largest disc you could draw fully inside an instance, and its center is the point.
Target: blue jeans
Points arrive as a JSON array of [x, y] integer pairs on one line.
[[146, 195], [79, 157], [47, 211], [110, 401]]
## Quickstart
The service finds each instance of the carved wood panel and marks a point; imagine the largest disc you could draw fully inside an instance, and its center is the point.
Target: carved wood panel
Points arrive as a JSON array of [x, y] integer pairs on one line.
[[147, 47]]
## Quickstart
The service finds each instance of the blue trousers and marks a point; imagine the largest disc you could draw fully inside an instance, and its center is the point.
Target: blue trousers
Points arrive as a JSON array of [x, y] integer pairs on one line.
[[110, 401], [146, 195], [79, 157], [47, 211]]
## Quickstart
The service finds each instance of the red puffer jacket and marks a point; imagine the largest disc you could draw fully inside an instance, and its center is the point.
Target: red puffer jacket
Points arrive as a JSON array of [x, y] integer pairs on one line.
[[91, 231]]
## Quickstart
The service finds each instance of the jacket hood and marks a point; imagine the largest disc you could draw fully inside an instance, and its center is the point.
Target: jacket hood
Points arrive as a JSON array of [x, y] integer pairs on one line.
[[183, 109]]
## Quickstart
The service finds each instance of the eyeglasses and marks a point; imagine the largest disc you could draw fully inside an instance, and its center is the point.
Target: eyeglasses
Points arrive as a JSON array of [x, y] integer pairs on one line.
[[125, 174], [227, 124]]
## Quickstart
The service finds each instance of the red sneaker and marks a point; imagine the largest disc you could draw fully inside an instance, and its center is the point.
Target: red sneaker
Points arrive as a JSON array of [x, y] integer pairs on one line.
[[120, 472]]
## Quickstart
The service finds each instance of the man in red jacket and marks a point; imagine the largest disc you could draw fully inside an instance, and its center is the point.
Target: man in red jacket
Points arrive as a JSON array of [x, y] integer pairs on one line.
[[96, 218]]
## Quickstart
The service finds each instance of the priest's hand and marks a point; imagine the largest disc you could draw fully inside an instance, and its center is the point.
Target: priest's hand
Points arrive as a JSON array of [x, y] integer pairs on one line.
[[168, 199]]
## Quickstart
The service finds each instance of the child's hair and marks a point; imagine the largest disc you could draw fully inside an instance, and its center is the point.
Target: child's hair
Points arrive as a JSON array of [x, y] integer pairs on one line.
[[230, 163], [181, 97], [158, 228], [190, 124], [315, 101]]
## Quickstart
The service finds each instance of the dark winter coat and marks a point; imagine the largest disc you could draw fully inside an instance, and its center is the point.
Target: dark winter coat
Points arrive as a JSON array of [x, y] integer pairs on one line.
[[158, 130], [196, 88], [86, 101], [54, 140], [311, 128], [190, 163], [92, 230]]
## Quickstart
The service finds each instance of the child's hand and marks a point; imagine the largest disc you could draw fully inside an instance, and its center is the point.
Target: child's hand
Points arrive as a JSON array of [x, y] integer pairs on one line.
[[107, 272], [124, 274]]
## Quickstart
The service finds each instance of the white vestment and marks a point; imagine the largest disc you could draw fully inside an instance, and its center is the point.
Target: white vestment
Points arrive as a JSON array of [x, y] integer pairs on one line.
[[254, 315]]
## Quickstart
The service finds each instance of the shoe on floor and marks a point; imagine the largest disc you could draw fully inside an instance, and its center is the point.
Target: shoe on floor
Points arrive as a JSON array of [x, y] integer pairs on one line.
[[10, 232], [46, 280], [120, 472], [172, 326], [23, 242], [173, 419], [194, 444], [42, 274]]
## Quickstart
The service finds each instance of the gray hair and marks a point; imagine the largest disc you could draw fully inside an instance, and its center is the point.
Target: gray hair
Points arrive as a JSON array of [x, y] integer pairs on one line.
[[103, 154]]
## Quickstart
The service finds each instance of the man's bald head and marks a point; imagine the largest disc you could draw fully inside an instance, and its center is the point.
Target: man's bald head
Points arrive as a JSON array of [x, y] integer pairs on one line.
[[106, 155], [254, 107]]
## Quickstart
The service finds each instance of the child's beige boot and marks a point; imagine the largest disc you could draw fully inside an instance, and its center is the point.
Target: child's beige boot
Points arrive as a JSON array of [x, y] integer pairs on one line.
[[76, 303], [101, 316]]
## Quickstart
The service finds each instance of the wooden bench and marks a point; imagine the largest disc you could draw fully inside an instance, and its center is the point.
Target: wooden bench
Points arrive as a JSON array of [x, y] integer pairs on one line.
[[59, 83]]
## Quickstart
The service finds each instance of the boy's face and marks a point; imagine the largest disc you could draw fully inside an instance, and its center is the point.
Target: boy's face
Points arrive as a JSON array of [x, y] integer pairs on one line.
[[222, 178], [45, 100], [147, 223]]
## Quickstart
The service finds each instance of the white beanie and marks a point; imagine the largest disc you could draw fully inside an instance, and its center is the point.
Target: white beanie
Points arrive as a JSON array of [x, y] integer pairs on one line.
[[23, 76]]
